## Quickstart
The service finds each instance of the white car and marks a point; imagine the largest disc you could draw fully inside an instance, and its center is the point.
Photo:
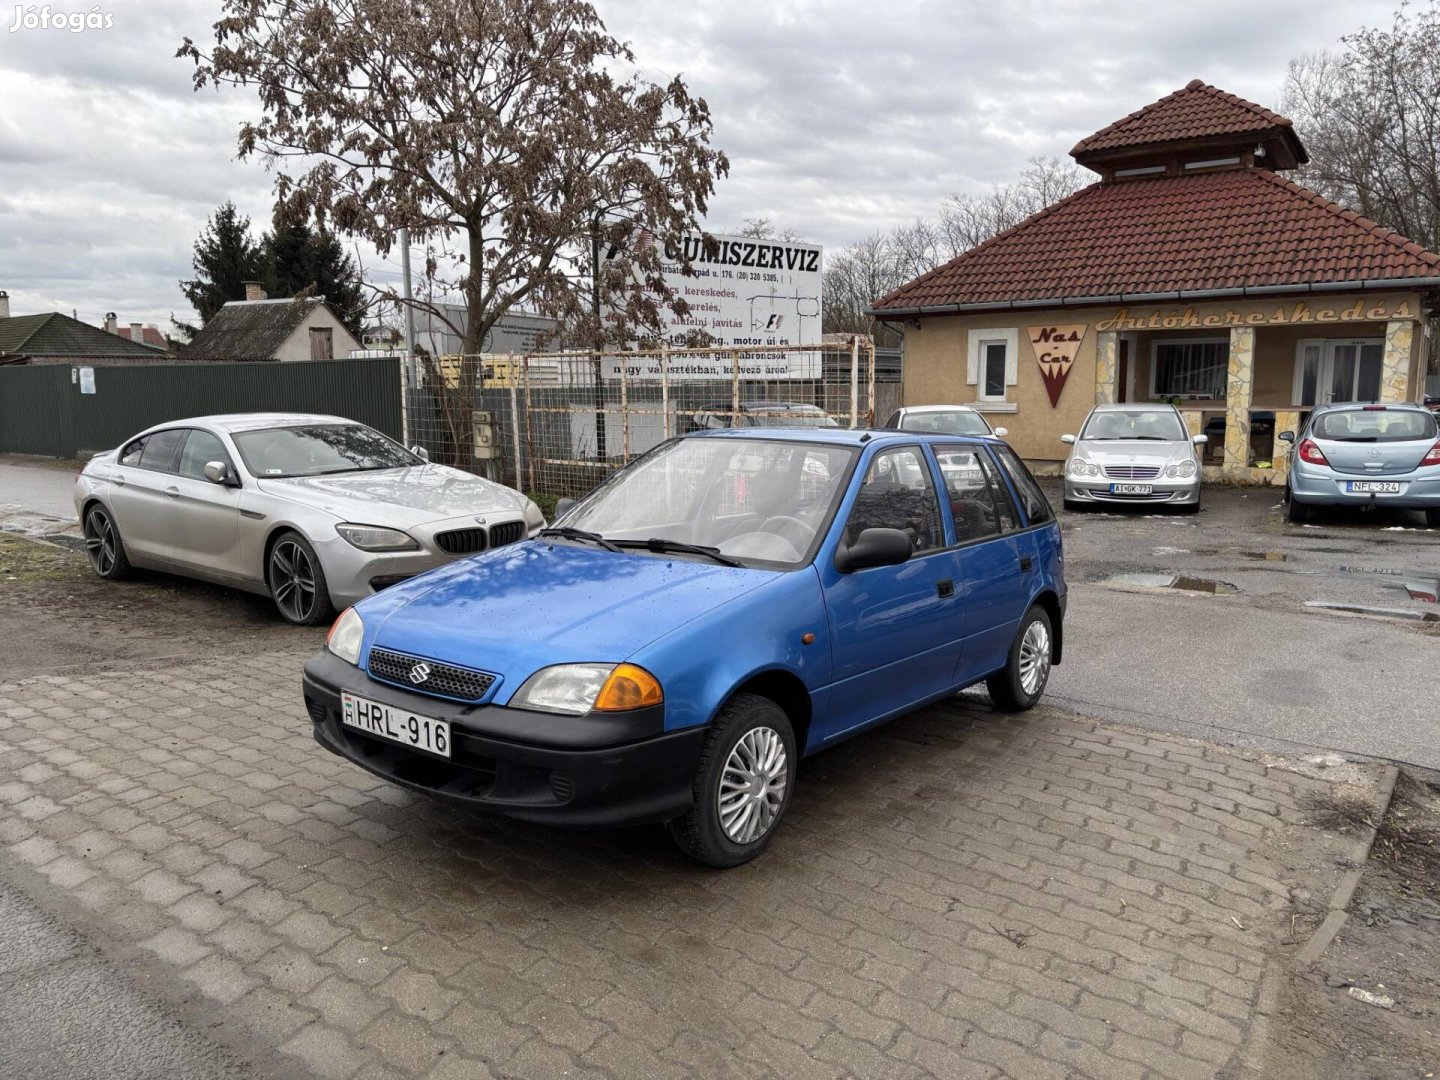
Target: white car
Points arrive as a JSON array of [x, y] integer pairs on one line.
[[943, 420], [1134, 453], [315, 511]]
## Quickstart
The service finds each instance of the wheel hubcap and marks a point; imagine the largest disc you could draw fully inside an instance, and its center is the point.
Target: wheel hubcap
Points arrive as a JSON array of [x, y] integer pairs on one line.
[[1034, 658], [752, 785], [100, 541], [292, 580]]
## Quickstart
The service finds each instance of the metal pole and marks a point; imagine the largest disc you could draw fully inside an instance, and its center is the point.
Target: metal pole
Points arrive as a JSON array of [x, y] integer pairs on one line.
[[529, 413], [625, 409], [515, 418], [599, 338], [854, 380], [870, 383], [408, 369], [735, 388], [665, 391]]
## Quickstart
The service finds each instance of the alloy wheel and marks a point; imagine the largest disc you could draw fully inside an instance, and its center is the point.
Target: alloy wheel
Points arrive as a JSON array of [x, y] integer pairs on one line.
[[752, 785], [292, 581], [1034, 657], [101, 543]]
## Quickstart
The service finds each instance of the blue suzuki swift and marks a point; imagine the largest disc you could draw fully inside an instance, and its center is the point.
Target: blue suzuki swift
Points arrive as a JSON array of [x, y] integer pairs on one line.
[[725, 605]]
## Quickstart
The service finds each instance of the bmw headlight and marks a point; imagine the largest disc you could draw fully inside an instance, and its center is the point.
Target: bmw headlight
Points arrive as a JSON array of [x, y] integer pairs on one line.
[[345, 637], [1081, 467], [579, 688], [377, 538], [1182, 469], [534, 518]]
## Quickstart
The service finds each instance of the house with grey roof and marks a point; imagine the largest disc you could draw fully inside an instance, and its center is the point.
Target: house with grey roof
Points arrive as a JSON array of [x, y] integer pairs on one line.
[[53, 338], [258, 328]]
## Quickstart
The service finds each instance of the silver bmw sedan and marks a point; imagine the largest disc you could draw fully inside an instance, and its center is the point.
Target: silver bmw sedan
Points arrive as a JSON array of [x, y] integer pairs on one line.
[[1133, 453], [314, 511]]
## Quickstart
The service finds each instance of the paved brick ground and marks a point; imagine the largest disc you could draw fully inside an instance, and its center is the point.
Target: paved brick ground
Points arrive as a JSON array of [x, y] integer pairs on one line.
[[956, 895]]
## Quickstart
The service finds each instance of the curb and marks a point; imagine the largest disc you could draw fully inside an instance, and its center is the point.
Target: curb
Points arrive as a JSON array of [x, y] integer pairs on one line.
[[1345, 891]]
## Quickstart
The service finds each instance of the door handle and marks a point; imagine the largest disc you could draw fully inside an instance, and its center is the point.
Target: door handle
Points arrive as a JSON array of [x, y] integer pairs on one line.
[[173, 492], [118, 481], [1025, 564], [945, 589]]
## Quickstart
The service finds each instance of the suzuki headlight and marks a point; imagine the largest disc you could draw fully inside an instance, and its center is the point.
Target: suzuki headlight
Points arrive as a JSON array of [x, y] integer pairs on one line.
[[345, 637], [1182, 469], [534, 518], [377, 538], [579, 688], [1081, 467]]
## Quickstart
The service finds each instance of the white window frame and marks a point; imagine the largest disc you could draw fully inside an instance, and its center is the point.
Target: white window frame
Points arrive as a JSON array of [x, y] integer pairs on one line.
[[1009, 336], [1325, 376], [1155, 361]]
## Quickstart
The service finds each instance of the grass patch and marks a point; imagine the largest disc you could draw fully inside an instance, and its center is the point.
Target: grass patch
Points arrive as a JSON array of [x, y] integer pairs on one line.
[[23, 562]]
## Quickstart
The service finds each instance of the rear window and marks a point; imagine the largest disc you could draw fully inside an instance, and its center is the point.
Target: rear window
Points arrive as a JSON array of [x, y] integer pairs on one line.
[[1375, 425], [954, 422]]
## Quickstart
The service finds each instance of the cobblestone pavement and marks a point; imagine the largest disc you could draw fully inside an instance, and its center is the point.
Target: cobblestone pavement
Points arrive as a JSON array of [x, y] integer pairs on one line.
[[958, 894]]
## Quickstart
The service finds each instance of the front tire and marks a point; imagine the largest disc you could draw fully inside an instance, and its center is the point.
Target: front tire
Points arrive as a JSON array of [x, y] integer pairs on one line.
[[297, 581], [1019, 685], [742, 786], [1074, 506], [103, 545]]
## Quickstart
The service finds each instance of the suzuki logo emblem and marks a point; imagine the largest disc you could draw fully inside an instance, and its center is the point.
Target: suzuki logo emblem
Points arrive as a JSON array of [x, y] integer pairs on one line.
[[420, 672]]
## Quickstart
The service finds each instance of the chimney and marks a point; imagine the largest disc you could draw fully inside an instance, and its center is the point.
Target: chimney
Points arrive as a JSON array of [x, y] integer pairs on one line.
[[4, 304], [111, 324], [137, 333], [253, 291]]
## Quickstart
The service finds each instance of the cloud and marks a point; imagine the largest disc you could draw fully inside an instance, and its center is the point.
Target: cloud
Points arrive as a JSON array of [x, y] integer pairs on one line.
[[840, 118]]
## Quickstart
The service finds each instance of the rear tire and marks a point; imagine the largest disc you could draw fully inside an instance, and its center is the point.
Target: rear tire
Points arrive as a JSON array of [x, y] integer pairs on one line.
[[297, 581], [742, 785], [1432, 518], [1020, 684], [103, 545], [1297, 512]]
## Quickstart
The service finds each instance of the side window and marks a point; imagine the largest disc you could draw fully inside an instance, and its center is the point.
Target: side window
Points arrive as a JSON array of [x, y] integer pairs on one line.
[[130, 455], [159, 452], [200, 449], [897, 493], [1037, 507], [978, 500]]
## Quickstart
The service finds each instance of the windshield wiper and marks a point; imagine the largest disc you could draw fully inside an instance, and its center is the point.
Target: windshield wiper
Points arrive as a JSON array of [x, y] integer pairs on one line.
[[660, 546], [565, 532], [1152, 438]]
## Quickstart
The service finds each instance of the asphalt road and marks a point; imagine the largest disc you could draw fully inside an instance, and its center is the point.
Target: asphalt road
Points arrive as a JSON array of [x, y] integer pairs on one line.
[[41, 487]]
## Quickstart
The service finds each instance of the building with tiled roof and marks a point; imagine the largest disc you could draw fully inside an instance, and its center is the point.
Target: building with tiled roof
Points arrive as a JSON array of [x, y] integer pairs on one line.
[[54, 338], [257, 328], [1191, 271]]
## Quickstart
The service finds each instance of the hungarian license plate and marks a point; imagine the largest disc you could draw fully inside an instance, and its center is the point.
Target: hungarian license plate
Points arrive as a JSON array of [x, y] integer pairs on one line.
[[1131, 489], [1378, 487], [397, 725]]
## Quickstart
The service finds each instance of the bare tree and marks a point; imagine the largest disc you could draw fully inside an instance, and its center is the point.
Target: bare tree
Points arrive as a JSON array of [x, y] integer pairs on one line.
[[499, 132]]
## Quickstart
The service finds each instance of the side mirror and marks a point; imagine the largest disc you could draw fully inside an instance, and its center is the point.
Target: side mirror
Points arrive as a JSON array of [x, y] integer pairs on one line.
[[1070, 439], [562, 507], [1001, 432], [1286, 436], [218, 472], [874, 547], [1200, 440], [420, 452]]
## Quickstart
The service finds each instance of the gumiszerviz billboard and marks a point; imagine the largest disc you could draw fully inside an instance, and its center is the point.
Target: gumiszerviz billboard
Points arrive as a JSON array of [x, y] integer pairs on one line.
[[743, 291]]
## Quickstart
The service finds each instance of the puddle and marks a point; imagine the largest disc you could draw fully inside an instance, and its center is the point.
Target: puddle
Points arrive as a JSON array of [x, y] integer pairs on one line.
[[1404, 614], [1258, 556], [1173, 581]]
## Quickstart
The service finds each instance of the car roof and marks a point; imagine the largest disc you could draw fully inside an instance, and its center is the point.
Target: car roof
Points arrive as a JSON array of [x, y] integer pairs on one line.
[[1132, 406], [234, 422], [1332, 406], [860, 437], [936, 408]]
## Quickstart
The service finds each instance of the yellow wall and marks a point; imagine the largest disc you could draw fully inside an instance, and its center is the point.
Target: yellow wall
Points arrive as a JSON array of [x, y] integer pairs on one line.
[[935, 355]]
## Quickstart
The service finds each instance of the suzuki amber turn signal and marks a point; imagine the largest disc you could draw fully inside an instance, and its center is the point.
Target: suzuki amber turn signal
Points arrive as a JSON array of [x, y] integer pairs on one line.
[[628, 687]]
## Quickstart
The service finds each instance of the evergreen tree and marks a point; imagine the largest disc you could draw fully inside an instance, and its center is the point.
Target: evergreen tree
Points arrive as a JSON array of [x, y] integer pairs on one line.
[[303, 259], [225, 258]]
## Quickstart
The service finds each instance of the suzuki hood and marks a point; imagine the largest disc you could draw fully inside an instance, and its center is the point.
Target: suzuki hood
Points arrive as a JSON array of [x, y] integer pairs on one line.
[[399, 498], [516, 609]]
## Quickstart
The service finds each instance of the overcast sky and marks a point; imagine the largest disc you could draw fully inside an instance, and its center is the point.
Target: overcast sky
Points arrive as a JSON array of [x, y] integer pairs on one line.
[[840, 117]]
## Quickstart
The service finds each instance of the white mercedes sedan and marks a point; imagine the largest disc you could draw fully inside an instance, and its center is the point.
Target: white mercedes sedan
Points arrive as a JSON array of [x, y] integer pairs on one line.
[[316, 512]]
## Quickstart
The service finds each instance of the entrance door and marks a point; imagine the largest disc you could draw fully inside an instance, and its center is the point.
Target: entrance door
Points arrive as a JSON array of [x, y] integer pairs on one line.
[[1338, 369]]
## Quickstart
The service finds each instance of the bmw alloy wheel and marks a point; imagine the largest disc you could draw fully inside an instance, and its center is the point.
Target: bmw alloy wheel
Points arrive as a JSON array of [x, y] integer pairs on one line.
[[292, 581], [101, 543], [1034, 657], [752, 786]]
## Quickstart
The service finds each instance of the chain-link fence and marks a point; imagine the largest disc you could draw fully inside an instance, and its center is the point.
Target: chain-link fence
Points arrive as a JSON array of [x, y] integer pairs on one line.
[[556, 424]]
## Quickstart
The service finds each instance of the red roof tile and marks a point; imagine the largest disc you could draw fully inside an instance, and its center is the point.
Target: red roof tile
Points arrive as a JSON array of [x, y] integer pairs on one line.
[[1220, 230], [1196, 111]]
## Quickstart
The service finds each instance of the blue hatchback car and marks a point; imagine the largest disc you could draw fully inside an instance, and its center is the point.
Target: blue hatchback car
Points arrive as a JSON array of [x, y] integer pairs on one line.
[[725, 605]]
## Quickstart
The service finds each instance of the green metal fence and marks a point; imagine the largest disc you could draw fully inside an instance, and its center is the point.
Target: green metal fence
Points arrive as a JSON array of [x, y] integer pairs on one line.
[[43, 409]]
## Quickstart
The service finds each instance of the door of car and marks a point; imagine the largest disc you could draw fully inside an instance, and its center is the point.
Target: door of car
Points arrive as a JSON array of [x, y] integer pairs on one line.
[[204, 535], [994, 558], [895, 629], [144, 469]]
